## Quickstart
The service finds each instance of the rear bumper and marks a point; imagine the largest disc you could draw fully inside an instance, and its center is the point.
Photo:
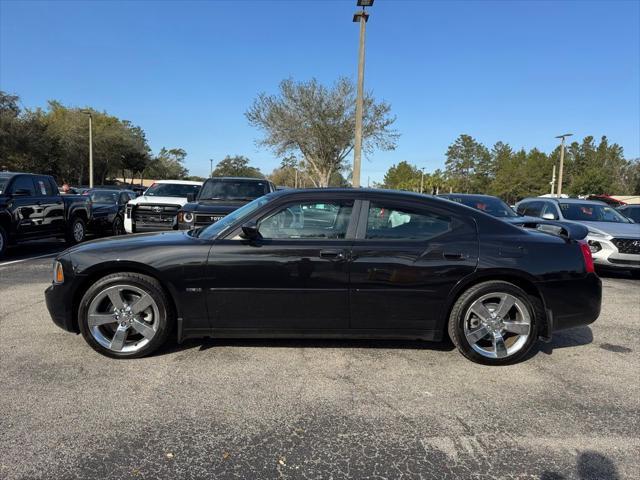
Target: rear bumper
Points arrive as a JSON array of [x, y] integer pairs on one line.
[[573, 302], [59, 300]]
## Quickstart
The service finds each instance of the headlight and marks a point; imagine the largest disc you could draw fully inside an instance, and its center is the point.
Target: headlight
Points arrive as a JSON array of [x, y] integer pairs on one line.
[[58, 272], [594, 246], [187, 217]]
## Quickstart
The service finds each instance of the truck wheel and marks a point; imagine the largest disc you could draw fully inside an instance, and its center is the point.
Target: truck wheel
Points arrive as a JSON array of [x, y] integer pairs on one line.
[[76, 231], [117, 227], [4, 241]]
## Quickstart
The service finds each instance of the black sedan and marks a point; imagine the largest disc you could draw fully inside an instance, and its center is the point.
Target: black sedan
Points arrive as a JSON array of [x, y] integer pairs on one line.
[[107, 207], [331, 263]]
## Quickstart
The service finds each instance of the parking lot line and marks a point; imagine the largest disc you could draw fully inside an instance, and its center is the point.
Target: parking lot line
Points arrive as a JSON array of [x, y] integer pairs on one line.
[[4, 264]]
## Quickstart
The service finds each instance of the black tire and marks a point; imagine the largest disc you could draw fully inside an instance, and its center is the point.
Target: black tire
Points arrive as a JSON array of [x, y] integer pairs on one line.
[[76, 223], [4, 242], [153, 288], [117, 228], [457, 317]]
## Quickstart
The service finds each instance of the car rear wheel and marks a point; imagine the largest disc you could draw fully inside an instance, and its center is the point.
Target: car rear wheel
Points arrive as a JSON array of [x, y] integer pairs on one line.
[[118, 226], [3, 242], [495, 323], [76, 231], [125, 315]]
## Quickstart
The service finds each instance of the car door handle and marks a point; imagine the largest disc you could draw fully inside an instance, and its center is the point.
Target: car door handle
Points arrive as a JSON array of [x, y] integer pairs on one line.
[[454, 256], [335, 255]]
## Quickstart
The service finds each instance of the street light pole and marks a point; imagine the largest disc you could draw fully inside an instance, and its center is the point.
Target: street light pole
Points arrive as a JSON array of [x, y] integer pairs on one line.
[[553, 179], [211, 168], [422, 181], [560, 170], [88, 112], [360, 17]]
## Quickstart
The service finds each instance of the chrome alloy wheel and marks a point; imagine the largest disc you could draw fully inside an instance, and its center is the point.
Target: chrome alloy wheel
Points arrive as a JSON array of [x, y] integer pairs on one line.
[[123, 318], [78, 232], [497, 325]]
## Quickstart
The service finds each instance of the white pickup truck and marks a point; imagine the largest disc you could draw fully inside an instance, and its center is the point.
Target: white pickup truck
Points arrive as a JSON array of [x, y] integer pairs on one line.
[[157, 207]]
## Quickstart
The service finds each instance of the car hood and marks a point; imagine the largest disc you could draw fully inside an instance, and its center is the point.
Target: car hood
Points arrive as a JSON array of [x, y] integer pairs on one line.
[[141, 247], [621, 230], [213, 206], [158, 200]]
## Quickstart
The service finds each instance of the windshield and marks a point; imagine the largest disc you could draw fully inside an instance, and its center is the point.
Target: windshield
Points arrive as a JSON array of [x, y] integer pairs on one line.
[[103, 197], [590, 212], [633, 213], [172, 190], [491, 205], [3, 184], [233, 190], [221, 225]]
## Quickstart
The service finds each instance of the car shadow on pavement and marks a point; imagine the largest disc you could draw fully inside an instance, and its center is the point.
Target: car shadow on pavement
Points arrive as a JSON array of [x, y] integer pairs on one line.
[[574, 337], [590, 466], [206, 343]]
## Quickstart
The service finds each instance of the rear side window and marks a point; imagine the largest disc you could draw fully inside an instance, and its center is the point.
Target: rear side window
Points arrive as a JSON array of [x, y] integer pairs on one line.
[[400, 223], [43, 187], [531, 209], [23, 182]]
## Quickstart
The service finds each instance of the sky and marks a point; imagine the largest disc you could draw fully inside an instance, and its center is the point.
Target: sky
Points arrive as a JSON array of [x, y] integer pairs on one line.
[[186, 71]]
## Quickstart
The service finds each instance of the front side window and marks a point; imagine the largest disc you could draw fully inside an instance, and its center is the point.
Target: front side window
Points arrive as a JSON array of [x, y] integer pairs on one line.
[[308, 220], [385, 222]]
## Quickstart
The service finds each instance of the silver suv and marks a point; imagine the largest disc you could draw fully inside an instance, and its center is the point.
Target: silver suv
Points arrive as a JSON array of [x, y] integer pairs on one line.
[[614, 239]]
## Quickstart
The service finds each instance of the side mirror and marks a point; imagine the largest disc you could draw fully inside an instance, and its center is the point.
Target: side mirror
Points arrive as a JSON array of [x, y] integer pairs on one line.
[[250, 231], [191, 197], [549, 216], [22, 192]]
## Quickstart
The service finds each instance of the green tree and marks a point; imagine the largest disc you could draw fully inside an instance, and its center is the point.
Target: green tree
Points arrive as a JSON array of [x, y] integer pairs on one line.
[[403, 176], [469, 165], [236, 166], [168, 165], [318, 123]]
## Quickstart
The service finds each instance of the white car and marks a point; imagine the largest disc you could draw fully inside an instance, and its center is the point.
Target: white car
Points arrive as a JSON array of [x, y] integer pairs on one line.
[[157, 207]]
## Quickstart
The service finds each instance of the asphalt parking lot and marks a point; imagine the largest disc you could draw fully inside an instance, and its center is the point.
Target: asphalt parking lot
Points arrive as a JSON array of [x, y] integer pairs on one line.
[[312, 409]]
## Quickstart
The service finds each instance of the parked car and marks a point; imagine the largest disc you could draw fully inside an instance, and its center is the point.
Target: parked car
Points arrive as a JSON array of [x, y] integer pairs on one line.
[[220, 196], [631, 211], [158, 207], [361, 264], [108, 206], [613, 238], [488, 204], [31, 208]]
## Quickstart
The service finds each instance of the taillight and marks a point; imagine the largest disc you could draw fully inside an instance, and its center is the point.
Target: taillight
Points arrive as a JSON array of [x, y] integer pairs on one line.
[[588, 258]]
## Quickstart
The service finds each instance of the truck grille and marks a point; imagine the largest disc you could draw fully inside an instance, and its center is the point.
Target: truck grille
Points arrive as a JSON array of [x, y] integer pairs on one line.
[[158, 215], [627, 245], [203, 220]]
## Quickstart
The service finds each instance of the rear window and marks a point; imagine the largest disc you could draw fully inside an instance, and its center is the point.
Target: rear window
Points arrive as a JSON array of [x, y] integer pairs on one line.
[[171, 190]]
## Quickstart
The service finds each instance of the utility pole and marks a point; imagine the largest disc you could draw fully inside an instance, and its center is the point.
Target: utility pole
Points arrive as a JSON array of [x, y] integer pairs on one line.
[[562, 137], [360, 17], [211, 168], [88, 112], [553, 179]]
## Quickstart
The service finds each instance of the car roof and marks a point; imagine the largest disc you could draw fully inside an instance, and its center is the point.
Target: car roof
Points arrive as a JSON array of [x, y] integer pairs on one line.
[[239, 178], [467, 195], [179, 182], [564, 200]]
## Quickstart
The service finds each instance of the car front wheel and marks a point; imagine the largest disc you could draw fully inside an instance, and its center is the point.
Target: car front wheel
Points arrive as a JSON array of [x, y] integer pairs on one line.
[[125, 315], [495, 323], [76, 231]]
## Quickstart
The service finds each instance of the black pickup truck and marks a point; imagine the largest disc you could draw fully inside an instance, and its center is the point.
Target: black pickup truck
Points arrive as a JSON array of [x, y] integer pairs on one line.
[[32, 208], [220, 196]]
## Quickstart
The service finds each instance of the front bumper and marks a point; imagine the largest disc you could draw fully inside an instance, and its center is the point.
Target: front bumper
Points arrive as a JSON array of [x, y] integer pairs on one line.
[[608, 255], [59, 300]]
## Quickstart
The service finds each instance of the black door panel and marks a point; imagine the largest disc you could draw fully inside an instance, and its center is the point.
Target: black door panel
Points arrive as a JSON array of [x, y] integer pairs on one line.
[[278, 284], [401, 283]]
